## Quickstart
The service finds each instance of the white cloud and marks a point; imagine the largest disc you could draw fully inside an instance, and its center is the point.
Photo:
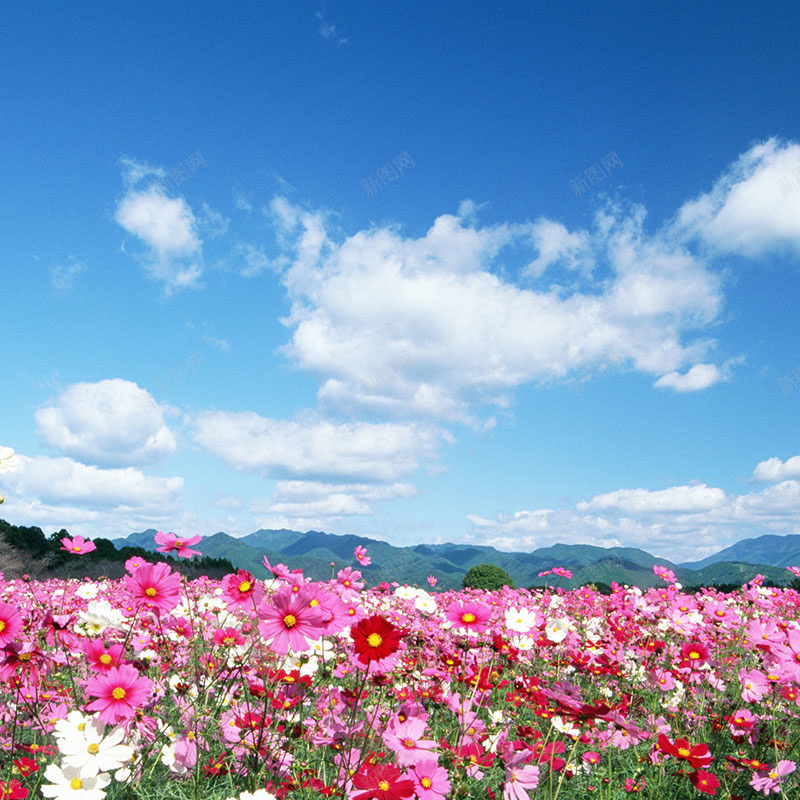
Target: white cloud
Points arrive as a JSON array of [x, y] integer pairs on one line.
[[166, 226], [643, 501], [111, 422], [315, 448], [700, 376], [773, 469], [681, 523], [747, 211], [471, 336], [328, 31], [55, 480], [212, 221], [62, 276]]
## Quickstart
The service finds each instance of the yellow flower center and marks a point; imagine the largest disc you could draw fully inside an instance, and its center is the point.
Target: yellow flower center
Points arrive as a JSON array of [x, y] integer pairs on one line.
[[93, 749], [82, 726], [178, 543], [118, 693], [290, 620], [409, 743], [694, 654], [105, 658], [683, 751], [76, 784], [374, 640], [2, 626], [24, 656], [383, 786], [150, 591], [426, 783], [77, 548], [244, 586], [314, 603], [468, 617]]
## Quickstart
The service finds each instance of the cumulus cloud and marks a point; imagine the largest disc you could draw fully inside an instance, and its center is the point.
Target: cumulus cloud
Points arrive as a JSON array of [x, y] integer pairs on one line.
[[165, 225], [111, 422], [315, 448], [62, 479], [470, 336], [681, 523], [773, 469], [748, 211]]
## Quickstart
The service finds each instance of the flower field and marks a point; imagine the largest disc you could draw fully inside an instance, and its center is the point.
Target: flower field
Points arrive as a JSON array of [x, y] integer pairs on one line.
[[155, 687]]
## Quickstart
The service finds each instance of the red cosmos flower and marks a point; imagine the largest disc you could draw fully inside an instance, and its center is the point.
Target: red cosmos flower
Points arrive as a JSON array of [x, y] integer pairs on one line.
[[375, 638], [694, 654], [119, 692], [170, 542], [155, 585], [382, 782], [78, 545], [705, 782], [12, 791], [26, 766], [697, 756], [10, 623]]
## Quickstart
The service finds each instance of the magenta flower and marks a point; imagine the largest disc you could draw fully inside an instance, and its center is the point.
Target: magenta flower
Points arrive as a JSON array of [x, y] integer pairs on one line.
[[771, 781], [10, 623], [519, 778], [134, 562], [665, 574], [77, 545], [155, 586], [430, 780], [361, 556], [290, 622], [755, 685], [120, 692], [241, 590], [170, 542], [469, 615]]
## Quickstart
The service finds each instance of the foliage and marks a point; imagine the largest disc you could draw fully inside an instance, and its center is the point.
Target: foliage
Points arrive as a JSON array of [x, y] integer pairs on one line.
[[488, 577]]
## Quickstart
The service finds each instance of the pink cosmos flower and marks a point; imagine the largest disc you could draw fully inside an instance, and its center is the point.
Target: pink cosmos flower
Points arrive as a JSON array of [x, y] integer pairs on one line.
[[134, 562], [519, 778], [350, 582], [290, 622], [119, 693], [430, 780], [10, 623], [771, 781], [562, 571], [754, 685], [665, 574], [789, 655], [241, 590], [432, 581], [170, 542], [100, 659], [155, 586], [405, 739], [361, 556], [794, 571], [469, 615], [77, 545], [228, 637]]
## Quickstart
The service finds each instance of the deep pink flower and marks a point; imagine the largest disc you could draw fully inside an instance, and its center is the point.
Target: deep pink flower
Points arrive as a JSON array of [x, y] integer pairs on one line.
[[77, 545], [242, 590], [361, 556], [100, 659], [170, 542], [431, 780], [470, 615], [290, 622], [155, 586], [120, 692], [406, 740], [10, 623]]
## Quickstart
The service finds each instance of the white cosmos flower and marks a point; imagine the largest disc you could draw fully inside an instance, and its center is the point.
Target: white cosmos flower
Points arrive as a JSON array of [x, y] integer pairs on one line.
[[91, 752], [99, 615], [67, 784], [87, 591], [258, 794], [406, 592], [520, 620], [9, 462], [72, 726], [556, 630], [566, 727], [425, 604]]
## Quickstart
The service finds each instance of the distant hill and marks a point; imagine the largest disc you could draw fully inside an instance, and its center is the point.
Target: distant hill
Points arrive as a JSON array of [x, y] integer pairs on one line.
[[778, 551], [313, 552]]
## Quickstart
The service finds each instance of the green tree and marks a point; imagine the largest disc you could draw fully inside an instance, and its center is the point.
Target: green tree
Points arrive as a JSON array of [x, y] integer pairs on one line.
[[487, 576]]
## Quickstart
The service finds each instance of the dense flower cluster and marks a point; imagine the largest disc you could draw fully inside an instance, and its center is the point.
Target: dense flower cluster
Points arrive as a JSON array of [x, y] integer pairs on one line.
[[292, 688]]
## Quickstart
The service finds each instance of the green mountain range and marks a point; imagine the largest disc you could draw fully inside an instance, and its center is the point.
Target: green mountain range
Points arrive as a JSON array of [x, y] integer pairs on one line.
[[313, 552]]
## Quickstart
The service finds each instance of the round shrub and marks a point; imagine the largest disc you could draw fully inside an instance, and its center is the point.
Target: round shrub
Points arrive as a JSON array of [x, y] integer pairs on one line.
[[487, 576]]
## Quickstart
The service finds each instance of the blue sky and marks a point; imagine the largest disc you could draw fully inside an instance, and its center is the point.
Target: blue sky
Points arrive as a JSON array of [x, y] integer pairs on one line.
[[566, 314]]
